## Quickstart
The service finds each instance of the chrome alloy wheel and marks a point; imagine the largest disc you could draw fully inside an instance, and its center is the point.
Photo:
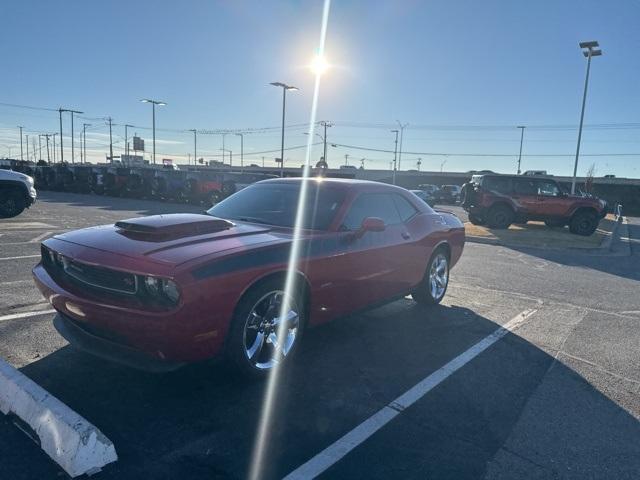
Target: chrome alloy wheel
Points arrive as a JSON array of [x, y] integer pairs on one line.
[[268, 335], [438, 276]]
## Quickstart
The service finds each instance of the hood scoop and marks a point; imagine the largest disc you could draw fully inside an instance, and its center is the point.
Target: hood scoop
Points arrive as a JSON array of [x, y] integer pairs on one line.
[[157, 228]]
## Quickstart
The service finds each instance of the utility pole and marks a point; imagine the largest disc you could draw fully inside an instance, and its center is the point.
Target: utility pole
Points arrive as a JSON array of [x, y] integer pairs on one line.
[[346, 159], [223, 149], [33, 144], [395, 156], [521, 127], [61, 151], [84, 141], [241, 135], [111, 143], [324, 139], [20, 127], [401, 135], [47, 135], [39, 146], [60, 110], [362, 163], [54, 147], [419, 162], [195, 145], [27, 140], [591, 51], [262, 162]]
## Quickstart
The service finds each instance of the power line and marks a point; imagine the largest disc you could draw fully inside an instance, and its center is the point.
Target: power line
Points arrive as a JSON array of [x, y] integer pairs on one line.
[[510, 155]]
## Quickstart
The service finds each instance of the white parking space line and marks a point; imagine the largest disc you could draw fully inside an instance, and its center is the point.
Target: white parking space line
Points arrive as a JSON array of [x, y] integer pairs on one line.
[[338, 450], [26, 226], [40, 237], [19, 257], [15, 316]]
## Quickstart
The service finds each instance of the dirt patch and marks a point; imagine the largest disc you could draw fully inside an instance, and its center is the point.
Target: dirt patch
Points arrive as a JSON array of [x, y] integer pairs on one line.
[[537, 234]]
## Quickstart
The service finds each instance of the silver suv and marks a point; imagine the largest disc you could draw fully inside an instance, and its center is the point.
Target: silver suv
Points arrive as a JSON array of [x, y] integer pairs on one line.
[[16, 193]]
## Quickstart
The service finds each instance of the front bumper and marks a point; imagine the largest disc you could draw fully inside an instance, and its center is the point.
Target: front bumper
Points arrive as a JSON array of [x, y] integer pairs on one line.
[[99, 347]]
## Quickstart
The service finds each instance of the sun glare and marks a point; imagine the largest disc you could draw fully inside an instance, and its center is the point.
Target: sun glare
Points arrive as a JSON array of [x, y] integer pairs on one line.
[[319, 65]]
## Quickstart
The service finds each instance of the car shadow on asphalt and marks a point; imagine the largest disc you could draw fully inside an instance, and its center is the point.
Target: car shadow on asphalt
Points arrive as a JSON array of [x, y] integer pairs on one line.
[[201, 421]]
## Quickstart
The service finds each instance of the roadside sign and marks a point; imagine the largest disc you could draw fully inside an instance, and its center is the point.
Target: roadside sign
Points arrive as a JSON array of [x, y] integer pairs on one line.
[[138, 144]]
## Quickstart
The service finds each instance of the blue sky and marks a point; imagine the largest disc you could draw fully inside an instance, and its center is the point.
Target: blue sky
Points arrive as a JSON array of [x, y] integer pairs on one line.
[[438, 65]]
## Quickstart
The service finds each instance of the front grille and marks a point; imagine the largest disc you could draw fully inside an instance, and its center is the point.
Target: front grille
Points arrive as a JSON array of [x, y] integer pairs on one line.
[[96, 277]]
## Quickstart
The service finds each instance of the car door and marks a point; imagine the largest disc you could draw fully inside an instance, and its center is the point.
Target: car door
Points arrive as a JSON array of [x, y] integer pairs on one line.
[[368, 267], [551, 202], [525, 196]]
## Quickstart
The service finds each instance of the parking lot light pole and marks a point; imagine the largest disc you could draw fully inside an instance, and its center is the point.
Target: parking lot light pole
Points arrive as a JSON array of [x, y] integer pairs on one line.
[[521, 138], [153, 104], [402, 127], [21, 157], [284, 87], [241, 135], [395, 156], [589, 49]]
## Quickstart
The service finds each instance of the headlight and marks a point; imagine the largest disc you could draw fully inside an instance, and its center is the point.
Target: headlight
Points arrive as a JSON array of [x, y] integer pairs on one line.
[[162, 289], [170, 289]]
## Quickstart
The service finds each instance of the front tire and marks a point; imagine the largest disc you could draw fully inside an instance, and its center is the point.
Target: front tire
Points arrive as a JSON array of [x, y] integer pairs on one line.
[[434, 284], [12, 204], [260, 338], [583, 223]]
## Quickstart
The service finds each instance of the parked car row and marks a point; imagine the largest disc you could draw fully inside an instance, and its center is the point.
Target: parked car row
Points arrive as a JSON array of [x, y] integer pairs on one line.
[[449, 194], [205, 187]]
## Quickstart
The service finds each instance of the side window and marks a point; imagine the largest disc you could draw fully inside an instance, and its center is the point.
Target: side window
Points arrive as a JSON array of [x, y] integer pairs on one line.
[[548, 189], [498, 184], [379, 205], [405, 209], [524, 186]]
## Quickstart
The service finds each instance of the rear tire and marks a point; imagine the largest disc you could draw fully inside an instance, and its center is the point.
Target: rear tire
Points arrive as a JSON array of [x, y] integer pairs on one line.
[[583, 223], [500, 216], [252, 337], [433, 286], [12, 204]]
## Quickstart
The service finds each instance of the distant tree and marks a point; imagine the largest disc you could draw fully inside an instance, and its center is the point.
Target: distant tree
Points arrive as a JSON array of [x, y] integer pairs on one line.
[[588, 184]]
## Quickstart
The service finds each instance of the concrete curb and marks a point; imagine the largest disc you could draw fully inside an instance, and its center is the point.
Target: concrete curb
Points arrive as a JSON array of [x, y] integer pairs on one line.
[[605, 246], [69, 439]]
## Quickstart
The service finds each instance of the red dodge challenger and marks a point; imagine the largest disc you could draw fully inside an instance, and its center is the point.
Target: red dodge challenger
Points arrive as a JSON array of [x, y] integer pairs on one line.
[[161, 291]]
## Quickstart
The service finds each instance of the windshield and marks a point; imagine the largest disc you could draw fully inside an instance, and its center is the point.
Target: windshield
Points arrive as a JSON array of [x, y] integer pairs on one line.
[[276, 203]]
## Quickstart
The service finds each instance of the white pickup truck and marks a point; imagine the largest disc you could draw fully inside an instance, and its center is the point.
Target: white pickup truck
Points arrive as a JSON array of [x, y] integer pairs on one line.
[[16, 193]]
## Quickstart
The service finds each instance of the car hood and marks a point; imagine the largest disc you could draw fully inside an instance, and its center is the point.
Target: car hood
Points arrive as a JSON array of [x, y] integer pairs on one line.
[[172, 239]]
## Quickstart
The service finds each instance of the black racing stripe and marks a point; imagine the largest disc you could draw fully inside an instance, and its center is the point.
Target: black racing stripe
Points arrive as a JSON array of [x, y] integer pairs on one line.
[[266, 256]]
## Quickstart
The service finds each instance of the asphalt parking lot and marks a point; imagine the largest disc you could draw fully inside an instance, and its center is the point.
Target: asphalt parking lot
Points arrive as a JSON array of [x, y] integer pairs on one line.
[[558, 396]]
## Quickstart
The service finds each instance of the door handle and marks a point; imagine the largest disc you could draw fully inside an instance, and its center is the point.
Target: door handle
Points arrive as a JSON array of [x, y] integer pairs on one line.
[[406, 235]]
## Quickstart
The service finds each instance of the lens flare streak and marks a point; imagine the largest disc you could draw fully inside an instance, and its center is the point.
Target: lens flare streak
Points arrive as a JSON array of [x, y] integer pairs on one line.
[[261, 441]]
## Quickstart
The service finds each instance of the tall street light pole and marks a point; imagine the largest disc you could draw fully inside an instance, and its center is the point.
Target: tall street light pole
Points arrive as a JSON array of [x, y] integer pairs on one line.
[[21, 157], [39, 146], [195, 145], [84, 141], [110, 141], [589, 49], [395, 156], [60, 110], [27, 140], [241, 135], [521, 127], [284, 87], [153, 104], [402, 127]]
